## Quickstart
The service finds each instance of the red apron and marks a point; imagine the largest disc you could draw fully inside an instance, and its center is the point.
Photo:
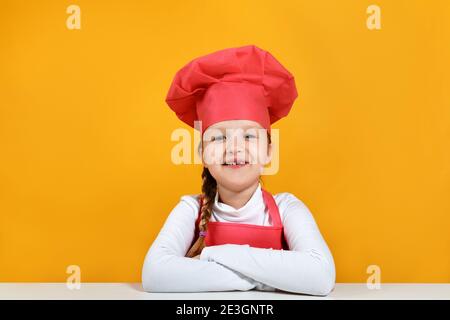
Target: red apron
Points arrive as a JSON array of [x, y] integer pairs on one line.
[[240, 233]]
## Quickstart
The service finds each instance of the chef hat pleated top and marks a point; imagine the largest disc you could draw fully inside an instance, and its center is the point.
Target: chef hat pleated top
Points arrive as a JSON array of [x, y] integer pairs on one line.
[[243, 83]]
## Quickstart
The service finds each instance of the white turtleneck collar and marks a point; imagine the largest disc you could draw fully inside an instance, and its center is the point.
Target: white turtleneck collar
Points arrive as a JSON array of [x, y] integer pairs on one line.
[[253, 212]]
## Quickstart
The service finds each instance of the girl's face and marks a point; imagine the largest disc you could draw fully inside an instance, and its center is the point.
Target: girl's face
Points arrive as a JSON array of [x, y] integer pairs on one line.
[[235, 152]]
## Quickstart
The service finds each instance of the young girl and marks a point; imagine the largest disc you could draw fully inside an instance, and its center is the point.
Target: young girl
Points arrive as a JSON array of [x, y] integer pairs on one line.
[[235, 235]]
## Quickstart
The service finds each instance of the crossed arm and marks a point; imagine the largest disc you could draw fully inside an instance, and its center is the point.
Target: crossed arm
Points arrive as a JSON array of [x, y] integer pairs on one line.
[[307, 268]]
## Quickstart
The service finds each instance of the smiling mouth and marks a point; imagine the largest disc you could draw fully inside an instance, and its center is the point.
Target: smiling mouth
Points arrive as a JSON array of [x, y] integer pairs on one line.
[[235, 165]]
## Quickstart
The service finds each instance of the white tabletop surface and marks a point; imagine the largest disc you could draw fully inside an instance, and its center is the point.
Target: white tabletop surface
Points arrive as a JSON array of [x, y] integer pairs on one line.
[[134, 291]]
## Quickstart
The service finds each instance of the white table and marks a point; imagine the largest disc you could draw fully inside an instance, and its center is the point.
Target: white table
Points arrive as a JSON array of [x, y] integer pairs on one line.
[[134, 291]]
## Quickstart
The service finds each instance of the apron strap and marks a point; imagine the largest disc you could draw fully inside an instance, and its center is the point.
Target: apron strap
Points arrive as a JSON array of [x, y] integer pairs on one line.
[[273, 208]]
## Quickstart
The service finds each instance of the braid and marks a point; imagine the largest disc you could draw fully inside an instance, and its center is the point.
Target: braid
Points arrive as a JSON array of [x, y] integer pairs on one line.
[[209, 189]]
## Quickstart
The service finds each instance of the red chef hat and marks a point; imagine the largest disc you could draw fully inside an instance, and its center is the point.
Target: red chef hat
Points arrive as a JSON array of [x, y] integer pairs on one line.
[[244, 83]]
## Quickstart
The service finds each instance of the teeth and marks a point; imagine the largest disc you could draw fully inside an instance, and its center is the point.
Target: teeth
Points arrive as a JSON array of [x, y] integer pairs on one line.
[[234, 163]]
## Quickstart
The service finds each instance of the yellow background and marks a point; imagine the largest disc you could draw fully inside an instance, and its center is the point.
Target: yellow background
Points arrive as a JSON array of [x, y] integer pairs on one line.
[[85, 171]]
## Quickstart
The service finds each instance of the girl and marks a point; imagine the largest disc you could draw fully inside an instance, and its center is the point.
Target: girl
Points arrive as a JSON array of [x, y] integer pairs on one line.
[[235, 235]]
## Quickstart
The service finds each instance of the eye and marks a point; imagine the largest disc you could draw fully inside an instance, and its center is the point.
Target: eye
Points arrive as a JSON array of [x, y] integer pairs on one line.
[[249, 136], [218, 138]]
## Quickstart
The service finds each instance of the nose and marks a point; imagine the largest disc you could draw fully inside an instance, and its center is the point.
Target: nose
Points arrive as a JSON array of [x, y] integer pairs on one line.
[[235, 145], [234, 149]]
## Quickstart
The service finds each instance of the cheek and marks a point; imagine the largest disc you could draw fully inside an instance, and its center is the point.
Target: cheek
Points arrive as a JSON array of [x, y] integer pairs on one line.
[[257, 153], [213, 154], [214, 169]]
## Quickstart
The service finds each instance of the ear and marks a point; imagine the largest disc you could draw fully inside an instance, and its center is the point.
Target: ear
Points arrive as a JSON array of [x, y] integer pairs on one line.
[[200, 153], [269, 154], [204, 162]]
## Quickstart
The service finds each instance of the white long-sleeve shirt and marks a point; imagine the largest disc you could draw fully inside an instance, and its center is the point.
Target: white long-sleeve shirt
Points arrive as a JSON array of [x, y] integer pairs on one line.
[[307, 267]]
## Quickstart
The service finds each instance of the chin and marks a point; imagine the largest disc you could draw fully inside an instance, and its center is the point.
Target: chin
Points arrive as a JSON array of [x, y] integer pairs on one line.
[[238, 184], [236, 179]]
